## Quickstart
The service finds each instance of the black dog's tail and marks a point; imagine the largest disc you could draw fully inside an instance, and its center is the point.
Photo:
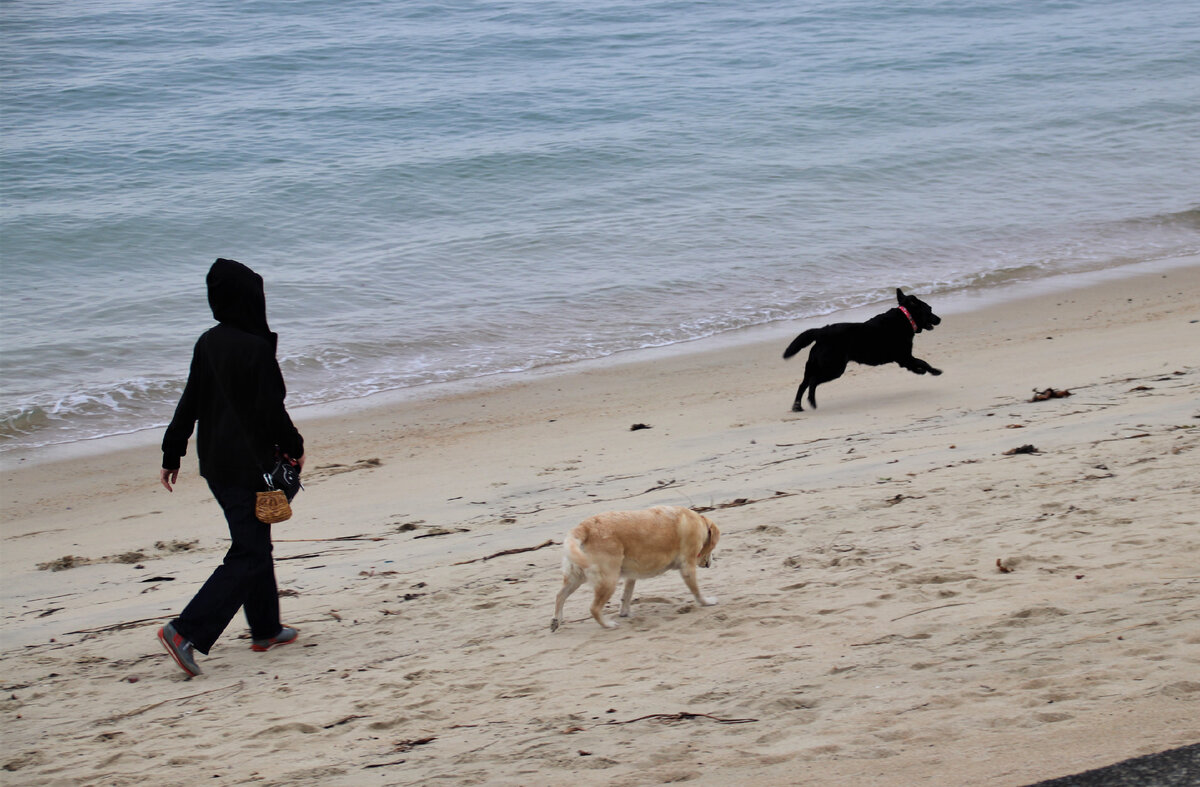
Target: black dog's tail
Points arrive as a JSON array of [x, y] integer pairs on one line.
[[802, 341]]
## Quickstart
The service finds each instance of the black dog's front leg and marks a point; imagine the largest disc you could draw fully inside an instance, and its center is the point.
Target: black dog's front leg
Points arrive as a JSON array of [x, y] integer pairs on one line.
[[917, 366]]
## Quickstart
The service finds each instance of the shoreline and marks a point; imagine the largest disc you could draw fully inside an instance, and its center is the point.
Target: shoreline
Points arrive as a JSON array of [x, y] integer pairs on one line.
[[864, 632], [953, 302]]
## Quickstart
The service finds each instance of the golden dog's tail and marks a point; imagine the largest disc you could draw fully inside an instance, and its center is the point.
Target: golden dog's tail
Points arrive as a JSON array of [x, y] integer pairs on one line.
[[573, 553]]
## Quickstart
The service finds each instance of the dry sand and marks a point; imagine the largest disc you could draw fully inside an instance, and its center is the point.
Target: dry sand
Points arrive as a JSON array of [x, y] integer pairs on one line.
[[865, 633]]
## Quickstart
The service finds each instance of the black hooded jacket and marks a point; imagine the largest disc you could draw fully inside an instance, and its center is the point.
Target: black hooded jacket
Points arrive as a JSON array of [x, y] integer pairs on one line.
[[235, 390]]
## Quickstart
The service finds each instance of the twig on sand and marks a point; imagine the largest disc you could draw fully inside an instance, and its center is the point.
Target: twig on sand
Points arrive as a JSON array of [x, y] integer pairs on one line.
[[681, 716], [361, 537], [438, 531], [346, 720], [411, 743], [305, 556], [547, 543], [788, 459], [594, 500], [741, 501], [931, 609], [402, 746], [1126, 437], [139, 711], [118, 626], [1114, 631]]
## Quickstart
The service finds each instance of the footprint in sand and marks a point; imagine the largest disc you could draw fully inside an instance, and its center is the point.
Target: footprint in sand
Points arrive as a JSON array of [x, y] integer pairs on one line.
[[1050, 718], [1184, 689], [795, 702], [282, 730], [1034, 616]]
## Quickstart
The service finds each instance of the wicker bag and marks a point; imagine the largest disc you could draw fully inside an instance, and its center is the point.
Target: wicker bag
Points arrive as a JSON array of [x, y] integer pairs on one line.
[[272, 506], [283, 482]]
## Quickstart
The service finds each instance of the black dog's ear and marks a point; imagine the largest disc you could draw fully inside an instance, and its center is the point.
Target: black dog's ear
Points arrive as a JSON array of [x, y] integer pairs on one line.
[[899, 295]]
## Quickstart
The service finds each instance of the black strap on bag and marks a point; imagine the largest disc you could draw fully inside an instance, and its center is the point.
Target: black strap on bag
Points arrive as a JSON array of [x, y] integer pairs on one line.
[[284, 476]]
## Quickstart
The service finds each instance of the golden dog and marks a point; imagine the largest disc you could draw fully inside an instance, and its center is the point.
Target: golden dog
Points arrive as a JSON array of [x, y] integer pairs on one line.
[[634, 544]]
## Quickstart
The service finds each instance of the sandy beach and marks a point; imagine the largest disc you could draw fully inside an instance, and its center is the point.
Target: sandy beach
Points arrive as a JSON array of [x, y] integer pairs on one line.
[[931, 581]]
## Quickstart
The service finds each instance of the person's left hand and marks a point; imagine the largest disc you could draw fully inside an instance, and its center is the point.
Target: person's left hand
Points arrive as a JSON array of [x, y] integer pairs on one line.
[[167, 477]]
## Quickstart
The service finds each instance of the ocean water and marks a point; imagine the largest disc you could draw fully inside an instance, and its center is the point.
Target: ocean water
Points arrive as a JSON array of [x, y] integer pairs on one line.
[[437, 191]]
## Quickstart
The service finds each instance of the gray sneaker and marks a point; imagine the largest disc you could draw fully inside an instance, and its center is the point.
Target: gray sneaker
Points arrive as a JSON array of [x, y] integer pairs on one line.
[[180, 649], [286, 635]]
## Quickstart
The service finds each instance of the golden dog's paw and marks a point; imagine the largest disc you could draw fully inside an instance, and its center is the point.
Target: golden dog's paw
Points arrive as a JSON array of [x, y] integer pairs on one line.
[[708, 601]]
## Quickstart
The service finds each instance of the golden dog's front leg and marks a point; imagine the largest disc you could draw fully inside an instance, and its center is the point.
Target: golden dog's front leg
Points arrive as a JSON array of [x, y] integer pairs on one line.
[[627, 599], [689, 577]]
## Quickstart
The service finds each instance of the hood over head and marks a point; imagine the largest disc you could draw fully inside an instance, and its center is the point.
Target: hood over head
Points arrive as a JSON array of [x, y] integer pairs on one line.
[[236, 296]]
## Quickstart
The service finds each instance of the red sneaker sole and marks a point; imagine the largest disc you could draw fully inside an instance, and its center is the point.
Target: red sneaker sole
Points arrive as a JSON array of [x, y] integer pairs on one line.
[[260, 649], [174, 657]]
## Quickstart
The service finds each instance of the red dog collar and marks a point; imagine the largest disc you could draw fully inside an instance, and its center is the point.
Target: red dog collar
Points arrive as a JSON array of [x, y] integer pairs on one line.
[[911, 321]]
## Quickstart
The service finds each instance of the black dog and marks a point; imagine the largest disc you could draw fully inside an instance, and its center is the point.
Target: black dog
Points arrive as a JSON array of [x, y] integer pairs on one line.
[[885, 338]]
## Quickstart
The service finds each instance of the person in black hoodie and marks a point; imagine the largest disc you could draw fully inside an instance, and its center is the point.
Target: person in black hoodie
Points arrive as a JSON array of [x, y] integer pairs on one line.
[[234, 393]]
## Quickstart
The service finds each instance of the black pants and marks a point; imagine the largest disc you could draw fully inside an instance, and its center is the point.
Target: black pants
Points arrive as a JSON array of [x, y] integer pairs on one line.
[[245, 579]]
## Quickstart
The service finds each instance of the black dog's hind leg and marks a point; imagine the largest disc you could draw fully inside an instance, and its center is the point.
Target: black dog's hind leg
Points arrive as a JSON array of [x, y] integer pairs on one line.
[[797, 405], [822, 366], [917, 366]]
